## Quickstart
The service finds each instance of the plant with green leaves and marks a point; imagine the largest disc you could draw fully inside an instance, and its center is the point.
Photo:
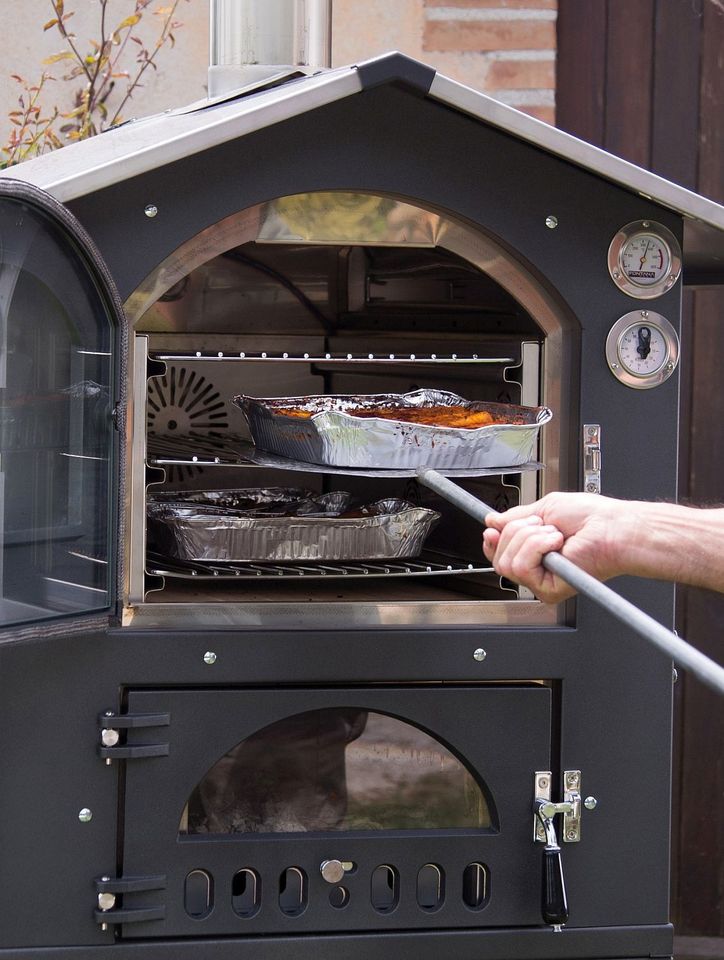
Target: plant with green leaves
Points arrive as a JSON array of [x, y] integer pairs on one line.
[[109, 71]]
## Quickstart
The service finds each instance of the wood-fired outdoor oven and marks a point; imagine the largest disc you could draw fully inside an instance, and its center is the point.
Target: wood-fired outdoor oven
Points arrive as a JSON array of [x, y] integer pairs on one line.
[[203, 755]]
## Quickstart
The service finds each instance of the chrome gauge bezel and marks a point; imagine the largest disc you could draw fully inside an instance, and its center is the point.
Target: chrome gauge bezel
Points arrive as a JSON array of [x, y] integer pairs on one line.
[[618, 247], [618, 366]]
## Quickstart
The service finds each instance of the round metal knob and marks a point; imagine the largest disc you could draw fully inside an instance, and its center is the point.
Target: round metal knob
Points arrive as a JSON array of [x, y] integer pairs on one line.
[[332, 870], [110, 737], [106, 901]]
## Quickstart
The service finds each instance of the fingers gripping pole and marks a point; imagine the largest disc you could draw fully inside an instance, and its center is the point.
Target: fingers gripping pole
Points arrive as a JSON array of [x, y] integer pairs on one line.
[[679, 650]]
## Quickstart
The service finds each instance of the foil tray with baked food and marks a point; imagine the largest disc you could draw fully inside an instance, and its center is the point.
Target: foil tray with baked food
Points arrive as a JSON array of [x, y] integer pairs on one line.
[[424, 428], [278, 525]]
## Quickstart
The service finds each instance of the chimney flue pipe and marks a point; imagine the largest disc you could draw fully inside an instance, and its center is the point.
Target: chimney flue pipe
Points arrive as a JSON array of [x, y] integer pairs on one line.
[[252, 40]]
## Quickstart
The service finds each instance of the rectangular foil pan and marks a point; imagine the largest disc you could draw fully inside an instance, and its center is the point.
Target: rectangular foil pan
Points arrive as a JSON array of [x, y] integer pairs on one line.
[[334, 436], [218, 526]]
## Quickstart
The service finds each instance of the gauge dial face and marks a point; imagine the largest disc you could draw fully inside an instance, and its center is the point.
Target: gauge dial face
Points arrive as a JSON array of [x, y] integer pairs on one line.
[[644, 259], [642, 349]]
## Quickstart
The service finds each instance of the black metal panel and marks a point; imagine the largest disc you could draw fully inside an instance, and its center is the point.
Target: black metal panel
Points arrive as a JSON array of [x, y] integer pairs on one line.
[[504, 739], [634, 944], [615, 730]]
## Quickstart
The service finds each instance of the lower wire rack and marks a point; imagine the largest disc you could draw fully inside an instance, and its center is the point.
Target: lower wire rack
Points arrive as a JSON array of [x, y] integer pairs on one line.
[[420, 567]]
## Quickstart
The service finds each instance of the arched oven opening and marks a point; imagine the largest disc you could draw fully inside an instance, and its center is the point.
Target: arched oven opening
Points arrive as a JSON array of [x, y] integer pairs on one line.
[[342, 294]]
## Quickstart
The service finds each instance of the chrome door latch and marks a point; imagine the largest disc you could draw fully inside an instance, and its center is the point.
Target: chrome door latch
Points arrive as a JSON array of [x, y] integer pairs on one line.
[[554, 900], [592, 457], [570, 806]]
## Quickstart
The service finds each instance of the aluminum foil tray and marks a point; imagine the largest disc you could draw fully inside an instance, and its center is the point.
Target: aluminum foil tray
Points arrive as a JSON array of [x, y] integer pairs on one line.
[[334, 436], [211, 526]]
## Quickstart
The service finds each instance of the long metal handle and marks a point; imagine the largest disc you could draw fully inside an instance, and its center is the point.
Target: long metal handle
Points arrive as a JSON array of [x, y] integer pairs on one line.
[[679, 650]]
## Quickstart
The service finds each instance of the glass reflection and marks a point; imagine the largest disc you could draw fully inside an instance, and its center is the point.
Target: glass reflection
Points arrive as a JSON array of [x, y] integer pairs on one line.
[[55, 423], [336, 769]]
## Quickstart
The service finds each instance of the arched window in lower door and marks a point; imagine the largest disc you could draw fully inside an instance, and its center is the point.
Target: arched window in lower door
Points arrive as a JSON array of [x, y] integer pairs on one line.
[[338, 769]]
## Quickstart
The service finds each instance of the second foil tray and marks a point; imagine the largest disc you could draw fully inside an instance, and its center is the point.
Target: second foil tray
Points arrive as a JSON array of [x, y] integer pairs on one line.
[[284, 524]]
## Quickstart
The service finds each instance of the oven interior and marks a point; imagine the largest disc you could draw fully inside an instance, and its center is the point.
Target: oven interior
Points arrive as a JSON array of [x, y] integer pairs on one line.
[[296, 318]]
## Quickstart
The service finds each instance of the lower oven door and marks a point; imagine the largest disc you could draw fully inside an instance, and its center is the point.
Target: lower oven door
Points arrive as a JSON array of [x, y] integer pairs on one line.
[[308, 810]]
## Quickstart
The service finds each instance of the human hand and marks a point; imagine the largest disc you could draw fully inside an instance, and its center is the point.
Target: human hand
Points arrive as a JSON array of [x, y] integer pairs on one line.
[[588, 529]]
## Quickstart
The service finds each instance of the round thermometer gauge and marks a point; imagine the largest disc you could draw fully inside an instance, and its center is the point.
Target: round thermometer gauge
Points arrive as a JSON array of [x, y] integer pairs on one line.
[[642, 349], [644, 259]]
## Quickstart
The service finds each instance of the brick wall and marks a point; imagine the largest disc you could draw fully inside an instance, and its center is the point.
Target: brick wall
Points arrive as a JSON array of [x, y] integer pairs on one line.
[[511, 44], [506, 48]]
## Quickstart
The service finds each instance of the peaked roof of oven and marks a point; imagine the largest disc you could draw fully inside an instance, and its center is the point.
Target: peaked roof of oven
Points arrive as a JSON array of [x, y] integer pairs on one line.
[[142, 145]]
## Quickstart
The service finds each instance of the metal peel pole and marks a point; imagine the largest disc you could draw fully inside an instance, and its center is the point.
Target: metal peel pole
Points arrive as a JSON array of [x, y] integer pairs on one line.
[[679, 650]]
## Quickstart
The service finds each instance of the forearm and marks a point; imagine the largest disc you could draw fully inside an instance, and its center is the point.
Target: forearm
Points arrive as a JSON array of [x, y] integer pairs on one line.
[[671, 542]]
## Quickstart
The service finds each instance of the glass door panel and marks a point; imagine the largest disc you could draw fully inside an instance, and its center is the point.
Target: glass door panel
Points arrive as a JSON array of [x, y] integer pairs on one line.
[[56, 333]]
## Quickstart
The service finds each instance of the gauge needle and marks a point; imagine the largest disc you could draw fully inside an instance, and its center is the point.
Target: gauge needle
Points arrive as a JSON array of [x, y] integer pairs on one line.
[[643, 259]]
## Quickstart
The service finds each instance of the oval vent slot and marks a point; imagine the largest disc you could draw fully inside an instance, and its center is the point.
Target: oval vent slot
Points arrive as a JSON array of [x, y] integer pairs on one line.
[[245, 892], [384, 888]]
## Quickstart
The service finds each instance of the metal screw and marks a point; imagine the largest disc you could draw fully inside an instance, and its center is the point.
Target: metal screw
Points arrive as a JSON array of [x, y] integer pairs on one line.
[[209, 657], [571, 835], [85, 815], [644, 223], [590, 803], [108, 713], [151, 210], [110, 737], [551, 222], [644, 313], [674, 675], [479, 654], [591, 488], [616, 274], [614, 366], [670, 365], [542, 782], [572, 779]]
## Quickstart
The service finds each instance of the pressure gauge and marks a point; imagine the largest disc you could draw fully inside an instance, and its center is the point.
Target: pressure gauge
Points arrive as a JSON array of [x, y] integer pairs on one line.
[[642, 349], [644, 259]]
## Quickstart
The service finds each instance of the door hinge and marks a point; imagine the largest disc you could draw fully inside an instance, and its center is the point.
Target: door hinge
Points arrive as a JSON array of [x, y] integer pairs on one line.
[[112, 727], [108, 889]]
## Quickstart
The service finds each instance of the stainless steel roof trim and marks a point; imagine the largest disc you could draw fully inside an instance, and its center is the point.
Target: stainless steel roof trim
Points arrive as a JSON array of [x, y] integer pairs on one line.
[[570, 148], [140, 146]]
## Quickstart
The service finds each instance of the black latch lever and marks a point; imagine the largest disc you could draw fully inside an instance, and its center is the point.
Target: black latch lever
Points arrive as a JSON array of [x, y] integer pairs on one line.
[[554, 902]]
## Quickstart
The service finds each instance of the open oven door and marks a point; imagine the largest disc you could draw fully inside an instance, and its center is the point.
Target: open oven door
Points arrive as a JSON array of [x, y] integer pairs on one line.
[[265, 812], [60, 374]]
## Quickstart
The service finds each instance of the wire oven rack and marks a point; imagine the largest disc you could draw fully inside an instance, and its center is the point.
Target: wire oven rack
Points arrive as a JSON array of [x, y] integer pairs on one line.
[[421, 567], [227, 450]]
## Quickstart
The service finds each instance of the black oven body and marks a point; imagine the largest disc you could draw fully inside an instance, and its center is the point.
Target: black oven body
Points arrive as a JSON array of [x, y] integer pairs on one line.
[[588, 695]]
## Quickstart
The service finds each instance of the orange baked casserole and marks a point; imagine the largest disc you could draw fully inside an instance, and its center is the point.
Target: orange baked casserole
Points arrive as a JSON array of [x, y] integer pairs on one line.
[[456, 416]]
